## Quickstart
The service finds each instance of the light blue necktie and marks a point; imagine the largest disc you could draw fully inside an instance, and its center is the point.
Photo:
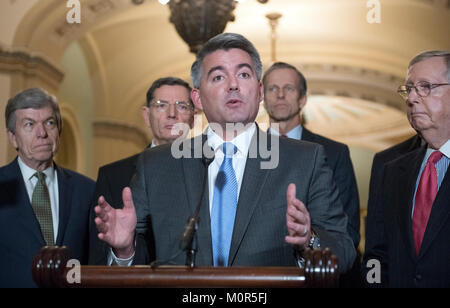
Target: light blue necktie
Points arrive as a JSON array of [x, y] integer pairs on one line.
[[224, 207]]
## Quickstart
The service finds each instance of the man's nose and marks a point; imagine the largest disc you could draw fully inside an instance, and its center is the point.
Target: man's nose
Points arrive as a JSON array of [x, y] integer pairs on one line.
[[172, 111], [413, 96], [41, 130], [233, 84], [280, 93]]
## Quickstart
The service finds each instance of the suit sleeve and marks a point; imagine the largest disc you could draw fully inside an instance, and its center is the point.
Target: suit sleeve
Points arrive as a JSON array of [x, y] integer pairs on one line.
[[144, 249], [375, 248], [327, 216], [98, 250], [348, 193]]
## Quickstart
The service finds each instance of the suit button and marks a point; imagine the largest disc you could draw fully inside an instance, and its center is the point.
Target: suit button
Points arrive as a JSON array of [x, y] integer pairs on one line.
[[417, 279]]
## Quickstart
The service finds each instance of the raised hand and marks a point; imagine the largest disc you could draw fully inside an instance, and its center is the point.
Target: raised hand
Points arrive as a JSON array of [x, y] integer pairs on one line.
[[117, 226], [298, 221]]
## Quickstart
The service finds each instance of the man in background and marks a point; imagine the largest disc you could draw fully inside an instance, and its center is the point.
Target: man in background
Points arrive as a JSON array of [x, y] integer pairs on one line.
[[168, 103], [41, 204], [412, 215]]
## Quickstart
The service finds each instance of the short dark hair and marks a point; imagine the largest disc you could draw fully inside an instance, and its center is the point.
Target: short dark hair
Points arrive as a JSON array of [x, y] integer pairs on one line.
[[431, 54], [34, 98], [224, 41], [167, 81], [302, 86]]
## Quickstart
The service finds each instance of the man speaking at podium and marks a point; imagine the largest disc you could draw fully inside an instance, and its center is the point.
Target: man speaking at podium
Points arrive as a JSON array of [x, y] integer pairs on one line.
[[250, 214]]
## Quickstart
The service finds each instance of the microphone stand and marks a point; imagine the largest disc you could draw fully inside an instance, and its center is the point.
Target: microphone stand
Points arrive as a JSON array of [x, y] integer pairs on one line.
[[187, 240]]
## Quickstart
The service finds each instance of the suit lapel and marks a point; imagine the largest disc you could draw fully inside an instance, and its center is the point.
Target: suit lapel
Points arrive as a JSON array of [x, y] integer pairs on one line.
[[251, 188], [65, 202], [307, 135], [409, 170], [193, 172], [18, 192], [440, 213]]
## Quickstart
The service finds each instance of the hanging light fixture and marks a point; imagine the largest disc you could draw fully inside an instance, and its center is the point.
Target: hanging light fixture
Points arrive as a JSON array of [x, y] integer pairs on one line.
[[196, 21]]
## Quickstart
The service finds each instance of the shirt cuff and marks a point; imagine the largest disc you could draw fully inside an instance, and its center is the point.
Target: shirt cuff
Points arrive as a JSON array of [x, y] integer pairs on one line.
[[114, 260]]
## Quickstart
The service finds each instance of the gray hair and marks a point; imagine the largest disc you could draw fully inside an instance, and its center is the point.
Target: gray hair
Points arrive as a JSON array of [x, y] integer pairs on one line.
[[431, 54], [225, 41], [34, 98], [302, 86]]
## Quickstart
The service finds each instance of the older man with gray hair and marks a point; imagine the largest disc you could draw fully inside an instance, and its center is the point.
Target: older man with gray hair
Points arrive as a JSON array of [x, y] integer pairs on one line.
[[41, 204], [409, 244]]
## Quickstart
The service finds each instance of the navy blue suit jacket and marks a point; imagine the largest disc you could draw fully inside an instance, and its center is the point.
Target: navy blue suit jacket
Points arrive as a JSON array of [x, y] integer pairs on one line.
[[20, 235]]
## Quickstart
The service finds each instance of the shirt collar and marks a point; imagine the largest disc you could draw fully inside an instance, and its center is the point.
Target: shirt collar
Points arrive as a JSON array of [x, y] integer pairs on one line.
[[28, 172], [445, 149], [295, 133], [241, 141]]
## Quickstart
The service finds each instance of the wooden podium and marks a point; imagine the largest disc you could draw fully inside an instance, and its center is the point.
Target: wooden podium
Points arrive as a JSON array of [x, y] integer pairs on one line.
[[50, 270]]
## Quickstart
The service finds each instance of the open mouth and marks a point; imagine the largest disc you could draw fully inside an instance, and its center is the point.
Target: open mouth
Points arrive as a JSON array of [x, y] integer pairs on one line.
[[234, 103]]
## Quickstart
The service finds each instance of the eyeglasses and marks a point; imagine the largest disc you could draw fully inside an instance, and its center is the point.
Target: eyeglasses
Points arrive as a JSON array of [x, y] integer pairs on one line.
[[423, 89], [163, 106]]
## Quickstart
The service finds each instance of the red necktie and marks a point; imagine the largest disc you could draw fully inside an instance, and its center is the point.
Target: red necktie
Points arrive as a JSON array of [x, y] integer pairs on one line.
[[425, 195]]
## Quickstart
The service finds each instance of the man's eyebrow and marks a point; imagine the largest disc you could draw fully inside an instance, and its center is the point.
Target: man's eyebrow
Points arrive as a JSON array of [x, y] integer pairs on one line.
[[220, 68], [215, 68], [245, 65]]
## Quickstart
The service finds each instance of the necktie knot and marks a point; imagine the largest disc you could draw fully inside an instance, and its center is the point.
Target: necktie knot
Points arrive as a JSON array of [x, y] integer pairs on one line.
[[40, 176], [229, 149], [435, 157]]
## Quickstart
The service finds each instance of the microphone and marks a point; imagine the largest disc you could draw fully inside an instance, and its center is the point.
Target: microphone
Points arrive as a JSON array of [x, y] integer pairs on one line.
[[191, 226]]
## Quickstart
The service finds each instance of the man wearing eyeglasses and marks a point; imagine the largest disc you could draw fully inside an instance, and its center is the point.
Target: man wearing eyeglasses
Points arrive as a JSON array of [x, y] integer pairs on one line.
[[413, 244], [168, 105]]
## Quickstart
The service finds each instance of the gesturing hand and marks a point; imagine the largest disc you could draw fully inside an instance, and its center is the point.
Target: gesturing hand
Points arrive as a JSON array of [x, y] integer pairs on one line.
[[298, 221], [117, 226]]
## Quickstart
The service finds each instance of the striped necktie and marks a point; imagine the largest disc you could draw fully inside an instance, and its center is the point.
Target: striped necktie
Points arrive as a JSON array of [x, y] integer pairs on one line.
[[224, 207]]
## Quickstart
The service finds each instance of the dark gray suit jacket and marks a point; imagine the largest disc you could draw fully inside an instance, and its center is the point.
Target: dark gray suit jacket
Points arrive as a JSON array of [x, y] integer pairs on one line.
[[166, 192], [338, 158]]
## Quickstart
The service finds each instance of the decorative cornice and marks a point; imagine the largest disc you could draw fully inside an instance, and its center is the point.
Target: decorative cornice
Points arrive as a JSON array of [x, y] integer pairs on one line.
[[108, 128], [20, 61], [355, 82], [438, 4]]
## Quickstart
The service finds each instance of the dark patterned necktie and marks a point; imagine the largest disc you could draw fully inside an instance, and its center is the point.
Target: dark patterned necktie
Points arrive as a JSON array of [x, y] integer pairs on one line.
[[40, 202]]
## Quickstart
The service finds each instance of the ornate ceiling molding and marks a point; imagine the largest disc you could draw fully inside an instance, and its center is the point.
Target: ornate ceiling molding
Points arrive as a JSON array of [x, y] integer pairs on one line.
[[354, 82], [438, 4], [21, 61], [107, 128]]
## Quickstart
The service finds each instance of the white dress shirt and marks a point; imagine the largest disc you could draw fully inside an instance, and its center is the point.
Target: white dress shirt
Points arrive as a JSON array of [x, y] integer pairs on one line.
[[295, 133], [51, 179], [242, 143]]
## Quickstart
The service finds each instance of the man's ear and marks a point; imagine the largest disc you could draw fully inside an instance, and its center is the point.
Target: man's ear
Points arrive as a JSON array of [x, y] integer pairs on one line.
[[302, 102], [145, 111], [195, 96], [12, 139], [261, 92]]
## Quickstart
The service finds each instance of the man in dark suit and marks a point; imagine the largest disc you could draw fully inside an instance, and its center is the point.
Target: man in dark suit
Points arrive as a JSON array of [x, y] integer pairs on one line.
[[252, 213], [376, 179], [285, 96], [412, 247], [40, 203], [285, 90], [168, 103]]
